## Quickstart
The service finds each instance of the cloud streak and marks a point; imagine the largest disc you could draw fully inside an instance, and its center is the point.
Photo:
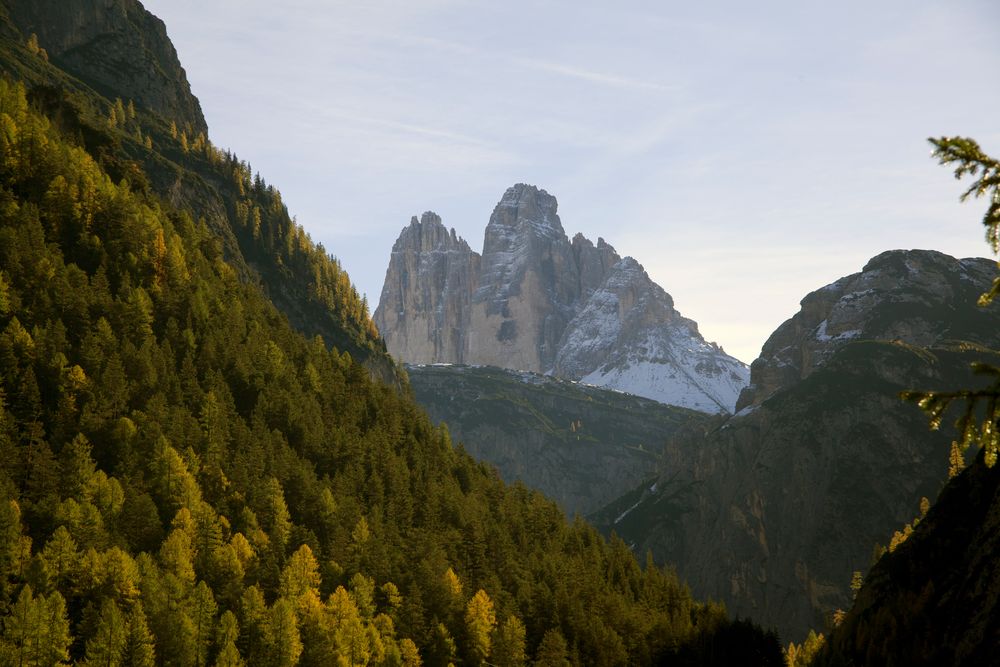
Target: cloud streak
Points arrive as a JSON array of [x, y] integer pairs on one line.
[[590, 76]]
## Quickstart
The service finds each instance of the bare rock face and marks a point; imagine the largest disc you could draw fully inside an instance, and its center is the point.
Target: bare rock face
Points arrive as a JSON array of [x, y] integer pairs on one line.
[[535, 301], [593, 262], [939, 303], [528, 284], [117, 47], [425, 303]]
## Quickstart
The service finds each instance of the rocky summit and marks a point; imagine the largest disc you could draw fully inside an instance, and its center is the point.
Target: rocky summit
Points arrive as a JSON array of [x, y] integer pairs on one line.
[[536, 301], [921, 297]]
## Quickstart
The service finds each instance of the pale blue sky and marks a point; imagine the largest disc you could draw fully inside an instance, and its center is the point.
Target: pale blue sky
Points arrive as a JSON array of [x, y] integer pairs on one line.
[[744, 153]]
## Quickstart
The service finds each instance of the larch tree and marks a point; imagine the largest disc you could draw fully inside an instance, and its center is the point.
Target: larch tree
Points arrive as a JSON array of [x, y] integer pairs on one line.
[[226, 635], [140, 644], [480, 619], [286, 644]]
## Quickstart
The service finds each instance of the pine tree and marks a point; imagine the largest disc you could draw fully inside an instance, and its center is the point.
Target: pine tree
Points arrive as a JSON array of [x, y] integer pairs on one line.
[[36, 631], [974, 426], [301, 574], [441, 648], [60, 555], [203, 610], [409, 653], [287, 644], [139, 644], [255, 627]]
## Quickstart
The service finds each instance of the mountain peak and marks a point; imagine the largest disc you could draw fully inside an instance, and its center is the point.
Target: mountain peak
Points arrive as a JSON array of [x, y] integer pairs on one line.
[[536, 301], [428, 234], [529, 210]]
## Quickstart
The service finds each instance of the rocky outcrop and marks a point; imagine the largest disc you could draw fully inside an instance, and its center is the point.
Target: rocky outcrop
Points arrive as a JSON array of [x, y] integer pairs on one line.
[[580, 445], [117, 47], [538, 302], [773, 509], [937, 302]]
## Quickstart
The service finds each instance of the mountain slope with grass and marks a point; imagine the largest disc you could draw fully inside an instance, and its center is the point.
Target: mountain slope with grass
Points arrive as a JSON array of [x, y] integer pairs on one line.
[[580, 445]]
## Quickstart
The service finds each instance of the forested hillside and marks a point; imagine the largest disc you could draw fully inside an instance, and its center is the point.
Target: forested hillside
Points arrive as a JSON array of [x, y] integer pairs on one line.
[[187, 479], [173, 157]]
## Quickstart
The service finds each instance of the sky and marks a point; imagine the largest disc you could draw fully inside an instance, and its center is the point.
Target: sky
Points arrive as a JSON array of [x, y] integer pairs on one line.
[[744, 153]]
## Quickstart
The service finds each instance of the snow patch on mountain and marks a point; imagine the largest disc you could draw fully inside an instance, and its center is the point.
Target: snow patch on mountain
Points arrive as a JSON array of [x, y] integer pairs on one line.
[[678, 371]]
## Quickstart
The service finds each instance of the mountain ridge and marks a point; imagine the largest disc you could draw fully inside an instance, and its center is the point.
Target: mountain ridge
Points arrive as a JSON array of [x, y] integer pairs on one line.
[[772, 509]]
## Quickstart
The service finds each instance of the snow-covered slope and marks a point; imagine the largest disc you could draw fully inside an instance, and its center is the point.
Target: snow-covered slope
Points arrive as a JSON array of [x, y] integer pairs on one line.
[[629, 337]]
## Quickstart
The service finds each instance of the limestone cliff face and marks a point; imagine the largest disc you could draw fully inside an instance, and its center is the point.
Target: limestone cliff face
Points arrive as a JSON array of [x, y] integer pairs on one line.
[[937, 303], [117, 47], [536, 301], [773, 509], [528, 285], [425, 302]]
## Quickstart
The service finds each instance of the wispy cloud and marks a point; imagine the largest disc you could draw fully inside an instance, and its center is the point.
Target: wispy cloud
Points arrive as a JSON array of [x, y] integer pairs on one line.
[[591, 76]]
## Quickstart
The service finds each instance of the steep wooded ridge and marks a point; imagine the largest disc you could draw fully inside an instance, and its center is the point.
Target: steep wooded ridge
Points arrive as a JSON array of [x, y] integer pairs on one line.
[[186, 479], [536, 301], [110, 77], [582, 446], [935, 600], [772, 509]]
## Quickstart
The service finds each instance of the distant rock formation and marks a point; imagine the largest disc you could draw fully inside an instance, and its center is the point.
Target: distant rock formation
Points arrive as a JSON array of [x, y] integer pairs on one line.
[[536, 301]]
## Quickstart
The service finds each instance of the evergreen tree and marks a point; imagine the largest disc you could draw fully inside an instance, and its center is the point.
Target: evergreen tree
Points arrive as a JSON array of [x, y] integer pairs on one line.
[[509, 644], [552, 652], [106, 647], [36, 631], [287, 645], [225, 640], [139, 644], [203, 610]]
